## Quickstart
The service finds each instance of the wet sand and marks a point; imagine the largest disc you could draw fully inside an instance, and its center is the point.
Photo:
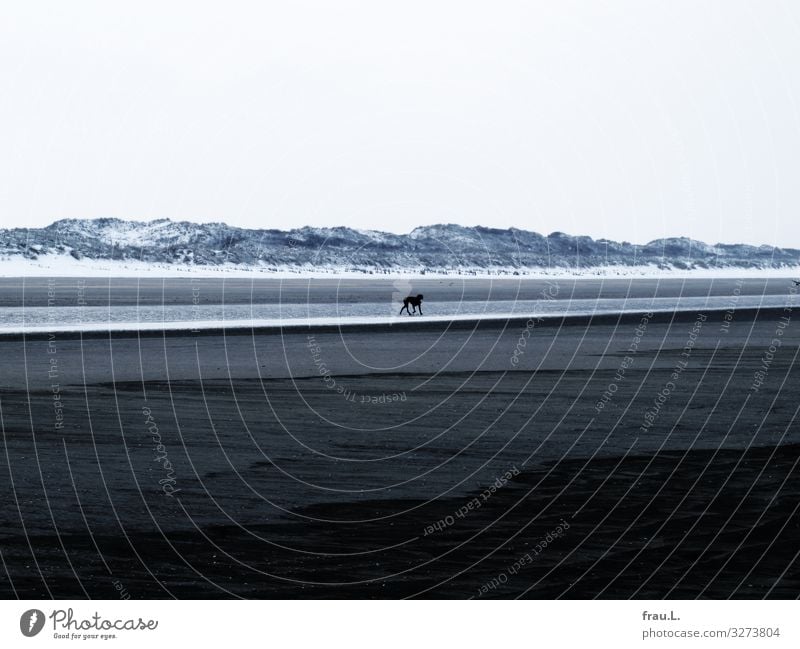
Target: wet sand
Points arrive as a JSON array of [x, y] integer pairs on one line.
[[495, 459], [130, 291]]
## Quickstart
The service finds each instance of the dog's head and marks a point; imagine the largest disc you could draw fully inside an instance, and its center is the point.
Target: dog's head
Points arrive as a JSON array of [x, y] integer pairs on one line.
[[419, 297]]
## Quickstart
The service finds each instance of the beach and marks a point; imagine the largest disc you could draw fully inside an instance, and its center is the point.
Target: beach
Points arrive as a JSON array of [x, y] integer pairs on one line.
[[640, 454]]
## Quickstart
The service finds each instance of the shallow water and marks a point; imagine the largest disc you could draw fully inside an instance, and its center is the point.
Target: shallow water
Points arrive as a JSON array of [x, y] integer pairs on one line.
[[61, 318]]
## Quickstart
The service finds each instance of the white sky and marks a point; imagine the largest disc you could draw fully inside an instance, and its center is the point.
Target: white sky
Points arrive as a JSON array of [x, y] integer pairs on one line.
[[620, 120]]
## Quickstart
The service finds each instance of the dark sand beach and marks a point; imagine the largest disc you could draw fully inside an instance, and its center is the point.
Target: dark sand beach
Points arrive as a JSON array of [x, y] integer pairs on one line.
[[631, 455]]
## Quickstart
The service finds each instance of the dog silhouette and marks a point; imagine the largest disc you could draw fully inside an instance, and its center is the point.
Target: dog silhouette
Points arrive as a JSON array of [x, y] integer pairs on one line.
[[415, 301]]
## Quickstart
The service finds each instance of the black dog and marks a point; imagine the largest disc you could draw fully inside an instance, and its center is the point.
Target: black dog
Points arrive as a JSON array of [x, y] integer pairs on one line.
[[413, 301]]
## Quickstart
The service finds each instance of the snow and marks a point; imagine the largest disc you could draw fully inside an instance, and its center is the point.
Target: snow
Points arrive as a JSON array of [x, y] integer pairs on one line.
[[67, 266]]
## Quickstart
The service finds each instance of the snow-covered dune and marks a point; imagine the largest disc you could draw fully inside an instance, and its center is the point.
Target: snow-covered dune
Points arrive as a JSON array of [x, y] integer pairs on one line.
[[169, 248]]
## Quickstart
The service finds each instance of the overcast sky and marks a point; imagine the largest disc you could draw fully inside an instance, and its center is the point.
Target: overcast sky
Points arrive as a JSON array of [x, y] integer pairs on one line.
[[619, 120]]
